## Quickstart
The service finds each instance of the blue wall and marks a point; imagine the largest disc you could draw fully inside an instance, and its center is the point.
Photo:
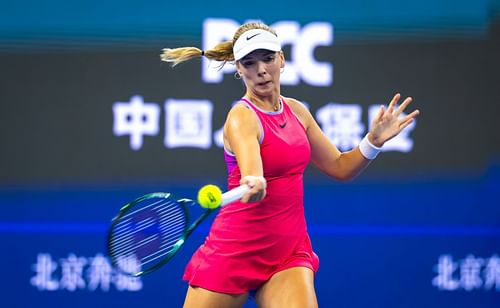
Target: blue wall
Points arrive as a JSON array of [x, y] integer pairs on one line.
[[374, 252]]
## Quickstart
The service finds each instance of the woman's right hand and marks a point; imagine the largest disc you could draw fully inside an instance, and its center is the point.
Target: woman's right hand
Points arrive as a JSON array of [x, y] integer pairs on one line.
[[257, 190]]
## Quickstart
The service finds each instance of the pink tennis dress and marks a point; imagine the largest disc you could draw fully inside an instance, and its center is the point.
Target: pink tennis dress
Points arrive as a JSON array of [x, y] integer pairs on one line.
[[250, 242]]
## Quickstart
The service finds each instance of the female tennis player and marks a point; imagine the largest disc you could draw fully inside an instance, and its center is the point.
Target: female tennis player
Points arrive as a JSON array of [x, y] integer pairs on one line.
[[260, 244]]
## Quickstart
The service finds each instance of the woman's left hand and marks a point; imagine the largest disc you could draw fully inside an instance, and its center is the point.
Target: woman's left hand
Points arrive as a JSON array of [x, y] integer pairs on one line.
[[387, 123]]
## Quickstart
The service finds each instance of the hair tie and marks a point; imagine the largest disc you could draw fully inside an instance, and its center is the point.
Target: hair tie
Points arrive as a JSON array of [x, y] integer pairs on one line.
[[202, 53]]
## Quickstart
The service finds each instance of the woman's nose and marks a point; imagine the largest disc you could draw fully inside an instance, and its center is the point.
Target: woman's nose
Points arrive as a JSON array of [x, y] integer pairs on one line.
[[261, 67]]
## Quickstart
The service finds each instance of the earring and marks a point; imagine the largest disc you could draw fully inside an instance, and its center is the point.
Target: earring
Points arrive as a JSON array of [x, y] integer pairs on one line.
[[237, 75], [282, 70]]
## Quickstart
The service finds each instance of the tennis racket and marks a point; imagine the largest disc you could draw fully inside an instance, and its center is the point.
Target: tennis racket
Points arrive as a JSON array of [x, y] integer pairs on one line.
[[147, 232]]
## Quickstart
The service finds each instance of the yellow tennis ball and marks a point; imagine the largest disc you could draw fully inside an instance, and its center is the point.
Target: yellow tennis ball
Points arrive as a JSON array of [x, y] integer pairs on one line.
[[210, 196]]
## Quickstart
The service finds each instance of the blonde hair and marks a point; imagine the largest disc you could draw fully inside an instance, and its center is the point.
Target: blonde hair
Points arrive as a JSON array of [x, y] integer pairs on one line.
[[220, 52]]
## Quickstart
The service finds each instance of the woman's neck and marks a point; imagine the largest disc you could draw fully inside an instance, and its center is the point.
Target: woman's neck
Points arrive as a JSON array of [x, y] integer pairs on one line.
[[268, 103]]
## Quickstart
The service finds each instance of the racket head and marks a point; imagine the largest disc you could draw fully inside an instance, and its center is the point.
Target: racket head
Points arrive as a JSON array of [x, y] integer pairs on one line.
[[147, 233]]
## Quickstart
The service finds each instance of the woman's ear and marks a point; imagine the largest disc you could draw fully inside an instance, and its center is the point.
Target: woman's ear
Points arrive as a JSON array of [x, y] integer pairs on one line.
[[282, 59]]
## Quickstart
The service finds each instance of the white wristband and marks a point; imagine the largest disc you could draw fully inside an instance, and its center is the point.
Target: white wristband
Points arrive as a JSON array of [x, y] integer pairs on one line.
[[368, 149]]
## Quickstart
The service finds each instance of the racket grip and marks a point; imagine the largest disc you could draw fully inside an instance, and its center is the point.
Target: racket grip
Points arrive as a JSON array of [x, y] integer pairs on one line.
[[234, 194]]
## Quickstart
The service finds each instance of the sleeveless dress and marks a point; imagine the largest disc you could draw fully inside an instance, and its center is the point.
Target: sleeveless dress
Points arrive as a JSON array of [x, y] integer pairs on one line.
[[248, 243]]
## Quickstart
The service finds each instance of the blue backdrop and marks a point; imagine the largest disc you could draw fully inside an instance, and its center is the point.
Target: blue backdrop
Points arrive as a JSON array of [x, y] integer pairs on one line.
[[374, 252]]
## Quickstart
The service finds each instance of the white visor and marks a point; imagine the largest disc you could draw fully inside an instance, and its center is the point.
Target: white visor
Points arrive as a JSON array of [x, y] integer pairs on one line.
[[255, 39]]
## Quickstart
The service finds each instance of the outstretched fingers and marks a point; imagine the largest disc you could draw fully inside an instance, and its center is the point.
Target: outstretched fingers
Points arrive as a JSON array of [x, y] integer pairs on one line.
[[407, 120], [393, 102], [403, 106], [380, 114]]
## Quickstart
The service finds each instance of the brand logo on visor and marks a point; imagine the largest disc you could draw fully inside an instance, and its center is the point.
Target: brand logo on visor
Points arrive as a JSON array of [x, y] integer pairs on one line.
[[252, 36]]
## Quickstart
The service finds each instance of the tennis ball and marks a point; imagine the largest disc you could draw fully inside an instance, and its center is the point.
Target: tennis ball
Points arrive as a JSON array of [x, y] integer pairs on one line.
[[210, 196]]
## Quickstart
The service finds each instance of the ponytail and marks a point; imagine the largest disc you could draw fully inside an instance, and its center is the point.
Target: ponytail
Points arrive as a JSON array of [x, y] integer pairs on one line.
[[221, 52]]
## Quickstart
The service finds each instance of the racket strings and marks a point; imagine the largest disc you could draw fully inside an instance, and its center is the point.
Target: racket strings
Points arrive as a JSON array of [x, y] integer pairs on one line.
[[170, 226], [150, 231]]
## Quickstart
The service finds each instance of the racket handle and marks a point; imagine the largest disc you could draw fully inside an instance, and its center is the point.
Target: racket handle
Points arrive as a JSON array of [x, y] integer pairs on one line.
[[234, 194]]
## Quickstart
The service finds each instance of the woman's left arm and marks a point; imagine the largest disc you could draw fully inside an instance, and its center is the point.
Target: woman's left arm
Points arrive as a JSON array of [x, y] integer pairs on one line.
[[347, 165]]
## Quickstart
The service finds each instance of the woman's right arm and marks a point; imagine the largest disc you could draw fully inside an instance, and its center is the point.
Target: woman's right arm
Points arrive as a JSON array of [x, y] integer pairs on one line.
[[242, 132]]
